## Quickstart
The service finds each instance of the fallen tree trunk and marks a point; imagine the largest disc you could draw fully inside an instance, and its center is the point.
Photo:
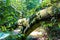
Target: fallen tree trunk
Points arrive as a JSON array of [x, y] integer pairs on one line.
[[42, 14]]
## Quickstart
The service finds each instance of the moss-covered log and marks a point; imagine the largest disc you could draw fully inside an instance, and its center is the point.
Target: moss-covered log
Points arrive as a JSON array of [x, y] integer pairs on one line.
[[45, 13]]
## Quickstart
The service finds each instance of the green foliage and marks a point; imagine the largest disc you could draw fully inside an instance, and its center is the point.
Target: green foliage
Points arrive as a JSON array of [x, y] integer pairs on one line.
[[53, 31], [54, 1], [7, 2], [10, 12], [28, 7], [8, 16], [46, 3]]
